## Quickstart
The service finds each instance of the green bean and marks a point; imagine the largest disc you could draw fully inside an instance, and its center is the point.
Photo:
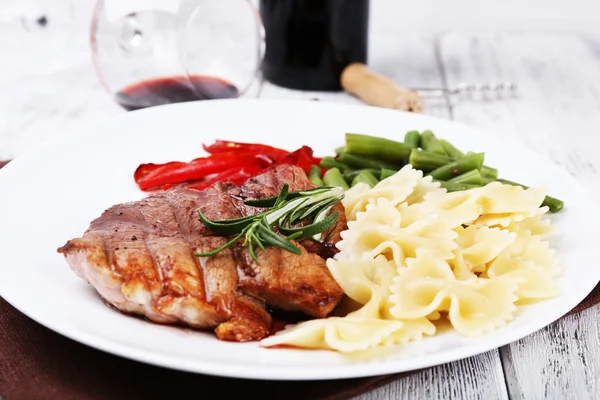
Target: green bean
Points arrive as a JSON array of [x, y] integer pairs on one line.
[[472, 177], [553, 204], [333, 177], [314, 175], [487, 179], [431, 143], [452, 151], [455, 154], [426, 161], [412, 139], [458, 167], [489, 172], [349, 175], [366, 177], [456, 187], [370, 146], [386, 173], [330, 162], [338, 150], [356, 161]]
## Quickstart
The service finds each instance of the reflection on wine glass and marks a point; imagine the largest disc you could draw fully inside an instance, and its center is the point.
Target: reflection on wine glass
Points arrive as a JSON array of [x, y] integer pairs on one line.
[[46, 15], [154, 52]]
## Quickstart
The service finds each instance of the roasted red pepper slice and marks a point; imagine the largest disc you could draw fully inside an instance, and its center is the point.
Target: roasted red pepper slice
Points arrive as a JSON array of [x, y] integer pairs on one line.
[[151, 177], [223, 146], [235, 175], [145, 169], [303, 158]]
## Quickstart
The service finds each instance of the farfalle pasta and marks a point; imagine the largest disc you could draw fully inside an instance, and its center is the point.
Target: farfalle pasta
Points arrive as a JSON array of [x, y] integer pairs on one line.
[[537, 225], [478, 246], [528, 261], [344, 334], [414, 254], [381, 230], [407, 185], [473, 305]]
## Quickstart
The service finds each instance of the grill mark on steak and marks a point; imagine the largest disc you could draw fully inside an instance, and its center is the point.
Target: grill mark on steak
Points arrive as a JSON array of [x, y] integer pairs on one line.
[[247, 318], [153, 254], [184, 285]]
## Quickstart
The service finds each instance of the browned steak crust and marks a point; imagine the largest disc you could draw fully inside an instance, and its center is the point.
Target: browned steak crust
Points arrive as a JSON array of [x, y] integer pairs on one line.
[[140, 257]]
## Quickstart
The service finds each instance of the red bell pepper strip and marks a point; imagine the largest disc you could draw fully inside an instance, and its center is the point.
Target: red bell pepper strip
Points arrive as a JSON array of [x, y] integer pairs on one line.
[[303, 158], [145, 169], [235, 175], [175, 172], [222, 146]]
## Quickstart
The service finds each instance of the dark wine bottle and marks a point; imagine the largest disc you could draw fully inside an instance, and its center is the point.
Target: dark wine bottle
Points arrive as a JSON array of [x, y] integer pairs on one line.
[[310, 42]]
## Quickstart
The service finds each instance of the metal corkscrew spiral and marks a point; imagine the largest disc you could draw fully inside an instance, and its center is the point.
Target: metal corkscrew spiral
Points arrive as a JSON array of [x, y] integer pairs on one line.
[[492, 90]]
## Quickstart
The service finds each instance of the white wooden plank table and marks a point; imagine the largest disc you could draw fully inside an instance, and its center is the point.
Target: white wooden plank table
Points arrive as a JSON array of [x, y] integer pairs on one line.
[[47, 84]]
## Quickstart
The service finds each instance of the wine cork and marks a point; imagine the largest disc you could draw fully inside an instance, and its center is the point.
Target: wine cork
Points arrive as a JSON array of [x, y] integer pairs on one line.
[[378, 90]]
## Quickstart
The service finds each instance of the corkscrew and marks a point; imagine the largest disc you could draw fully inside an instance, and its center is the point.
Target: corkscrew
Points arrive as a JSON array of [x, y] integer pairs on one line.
[[380, 91], [485, 90]]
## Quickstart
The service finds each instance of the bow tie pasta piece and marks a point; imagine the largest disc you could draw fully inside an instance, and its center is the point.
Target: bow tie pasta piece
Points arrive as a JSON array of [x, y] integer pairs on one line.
[[381, 212], [530, 263], [495, 204], [354, 200], [538, 225], [434, 316], [474, 306], [377, 231], [456, 208], [503, 220], [366, 281], [535, 249], [415, 213], [407, 185], [343, 334], [504, 204], [425, 187], [412, 330], [476, 247], [420, 289], [482, 306], [498, 198], [533, 281]]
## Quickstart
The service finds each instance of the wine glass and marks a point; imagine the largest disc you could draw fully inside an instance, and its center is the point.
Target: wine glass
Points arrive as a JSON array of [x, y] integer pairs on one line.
[[153, 52]]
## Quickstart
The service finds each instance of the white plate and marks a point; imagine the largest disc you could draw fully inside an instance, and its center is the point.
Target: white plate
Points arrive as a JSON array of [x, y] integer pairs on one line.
[[51, 194]]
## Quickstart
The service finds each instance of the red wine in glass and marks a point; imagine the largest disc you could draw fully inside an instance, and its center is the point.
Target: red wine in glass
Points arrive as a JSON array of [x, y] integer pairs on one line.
[[153, 53], [176, 89]]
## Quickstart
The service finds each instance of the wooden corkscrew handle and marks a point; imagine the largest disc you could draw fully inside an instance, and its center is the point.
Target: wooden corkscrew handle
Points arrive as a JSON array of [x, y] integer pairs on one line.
[[378, 90]]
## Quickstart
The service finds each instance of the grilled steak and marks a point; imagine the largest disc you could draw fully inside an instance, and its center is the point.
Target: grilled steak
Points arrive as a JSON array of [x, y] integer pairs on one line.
[[140, 257]]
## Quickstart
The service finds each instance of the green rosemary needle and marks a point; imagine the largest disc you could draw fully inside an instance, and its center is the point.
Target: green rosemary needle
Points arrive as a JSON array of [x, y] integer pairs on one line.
[[284, 211]]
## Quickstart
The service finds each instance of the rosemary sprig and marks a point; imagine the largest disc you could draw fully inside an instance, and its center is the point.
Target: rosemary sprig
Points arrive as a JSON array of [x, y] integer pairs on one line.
[[283, 212]]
